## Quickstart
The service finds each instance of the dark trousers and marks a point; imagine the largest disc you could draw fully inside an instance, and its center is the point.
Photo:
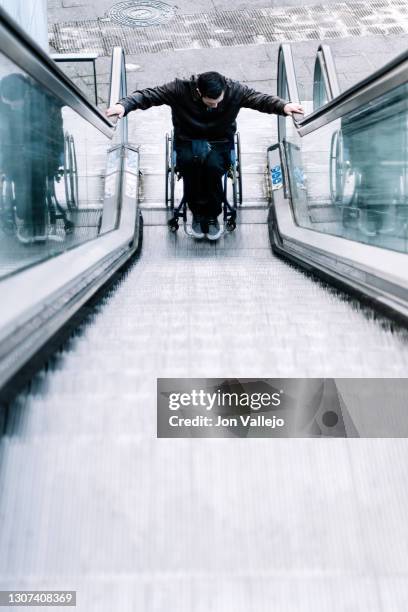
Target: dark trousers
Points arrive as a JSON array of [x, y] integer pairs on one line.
[[30, 181], [203, 187]]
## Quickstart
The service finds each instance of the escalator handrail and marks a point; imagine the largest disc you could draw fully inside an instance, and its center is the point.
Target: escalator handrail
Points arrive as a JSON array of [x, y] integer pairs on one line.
[[378, 83], [286, 65], [23, 51], [384, 79], [118, 88], [286, 83]]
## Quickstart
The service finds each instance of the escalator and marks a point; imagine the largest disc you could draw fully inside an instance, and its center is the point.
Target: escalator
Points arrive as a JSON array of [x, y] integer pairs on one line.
[[342, 209], [91, 501], [69, 213]]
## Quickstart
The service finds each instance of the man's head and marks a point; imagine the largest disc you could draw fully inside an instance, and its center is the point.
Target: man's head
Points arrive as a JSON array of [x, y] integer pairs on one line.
[[13, 88], [211, 87]]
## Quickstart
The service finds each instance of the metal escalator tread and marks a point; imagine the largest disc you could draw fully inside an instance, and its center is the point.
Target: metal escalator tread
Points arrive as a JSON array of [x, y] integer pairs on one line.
[[104, 499]]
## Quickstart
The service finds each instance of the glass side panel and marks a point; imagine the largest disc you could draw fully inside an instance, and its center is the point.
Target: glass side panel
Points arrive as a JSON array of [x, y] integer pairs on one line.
[[304, 58], [349, 178], [58, 181], [303, 64], [82, 74], [320, 96]]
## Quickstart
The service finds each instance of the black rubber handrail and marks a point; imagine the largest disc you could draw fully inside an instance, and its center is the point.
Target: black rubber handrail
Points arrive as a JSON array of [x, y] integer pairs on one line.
[[355, 90], [317, 118]]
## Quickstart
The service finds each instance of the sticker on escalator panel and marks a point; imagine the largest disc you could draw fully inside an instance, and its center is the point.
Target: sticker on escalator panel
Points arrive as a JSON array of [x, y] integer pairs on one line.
[[277, 179]]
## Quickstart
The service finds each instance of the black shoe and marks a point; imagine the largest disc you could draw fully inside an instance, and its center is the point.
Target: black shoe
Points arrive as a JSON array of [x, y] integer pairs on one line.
[[40, 234], [196, 229], [54, 235], [25, 234], [214, 231], [7, 222], [367, 228]]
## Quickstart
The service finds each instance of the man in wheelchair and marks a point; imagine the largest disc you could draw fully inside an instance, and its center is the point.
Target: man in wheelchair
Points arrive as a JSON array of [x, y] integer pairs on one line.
[[204, 111]]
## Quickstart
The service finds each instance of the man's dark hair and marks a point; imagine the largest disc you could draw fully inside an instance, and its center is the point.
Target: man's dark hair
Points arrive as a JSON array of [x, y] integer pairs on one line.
[[13, 87], [211, 84]]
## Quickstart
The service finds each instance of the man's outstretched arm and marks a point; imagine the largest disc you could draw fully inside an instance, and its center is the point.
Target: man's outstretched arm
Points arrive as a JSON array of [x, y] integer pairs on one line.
[[266, 103], [143, 99]]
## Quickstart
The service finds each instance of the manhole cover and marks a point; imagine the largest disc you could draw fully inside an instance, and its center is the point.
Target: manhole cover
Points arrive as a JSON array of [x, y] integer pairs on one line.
[[141, 13]]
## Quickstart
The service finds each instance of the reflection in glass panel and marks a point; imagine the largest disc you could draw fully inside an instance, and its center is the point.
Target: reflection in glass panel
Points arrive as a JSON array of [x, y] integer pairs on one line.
[[82, 73], [349, 178], [52, 174]]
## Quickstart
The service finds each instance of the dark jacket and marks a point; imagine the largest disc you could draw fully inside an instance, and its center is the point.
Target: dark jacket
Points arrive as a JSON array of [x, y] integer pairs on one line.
[[192, 119]]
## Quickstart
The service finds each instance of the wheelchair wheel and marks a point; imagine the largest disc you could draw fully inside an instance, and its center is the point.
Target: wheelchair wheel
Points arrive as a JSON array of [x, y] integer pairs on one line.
[[172, 173], [7, 207], [169, 172], [74, 166], [235, 187], [238, 168], [70, 173], [56, 212], [337, 168], [67, 182]]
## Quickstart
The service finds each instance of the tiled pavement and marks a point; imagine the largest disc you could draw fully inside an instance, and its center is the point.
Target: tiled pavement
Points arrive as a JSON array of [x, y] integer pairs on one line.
[[171, 30], [240, 40]]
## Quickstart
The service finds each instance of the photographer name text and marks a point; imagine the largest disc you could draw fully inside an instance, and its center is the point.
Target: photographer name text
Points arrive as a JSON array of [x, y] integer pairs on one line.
[[242, 421]]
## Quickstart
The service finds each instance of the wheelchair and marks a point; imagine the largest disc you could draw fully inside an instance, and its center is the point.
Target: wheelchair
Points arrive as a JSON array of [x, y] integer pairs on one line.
[[68, 170], [179, 211]]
